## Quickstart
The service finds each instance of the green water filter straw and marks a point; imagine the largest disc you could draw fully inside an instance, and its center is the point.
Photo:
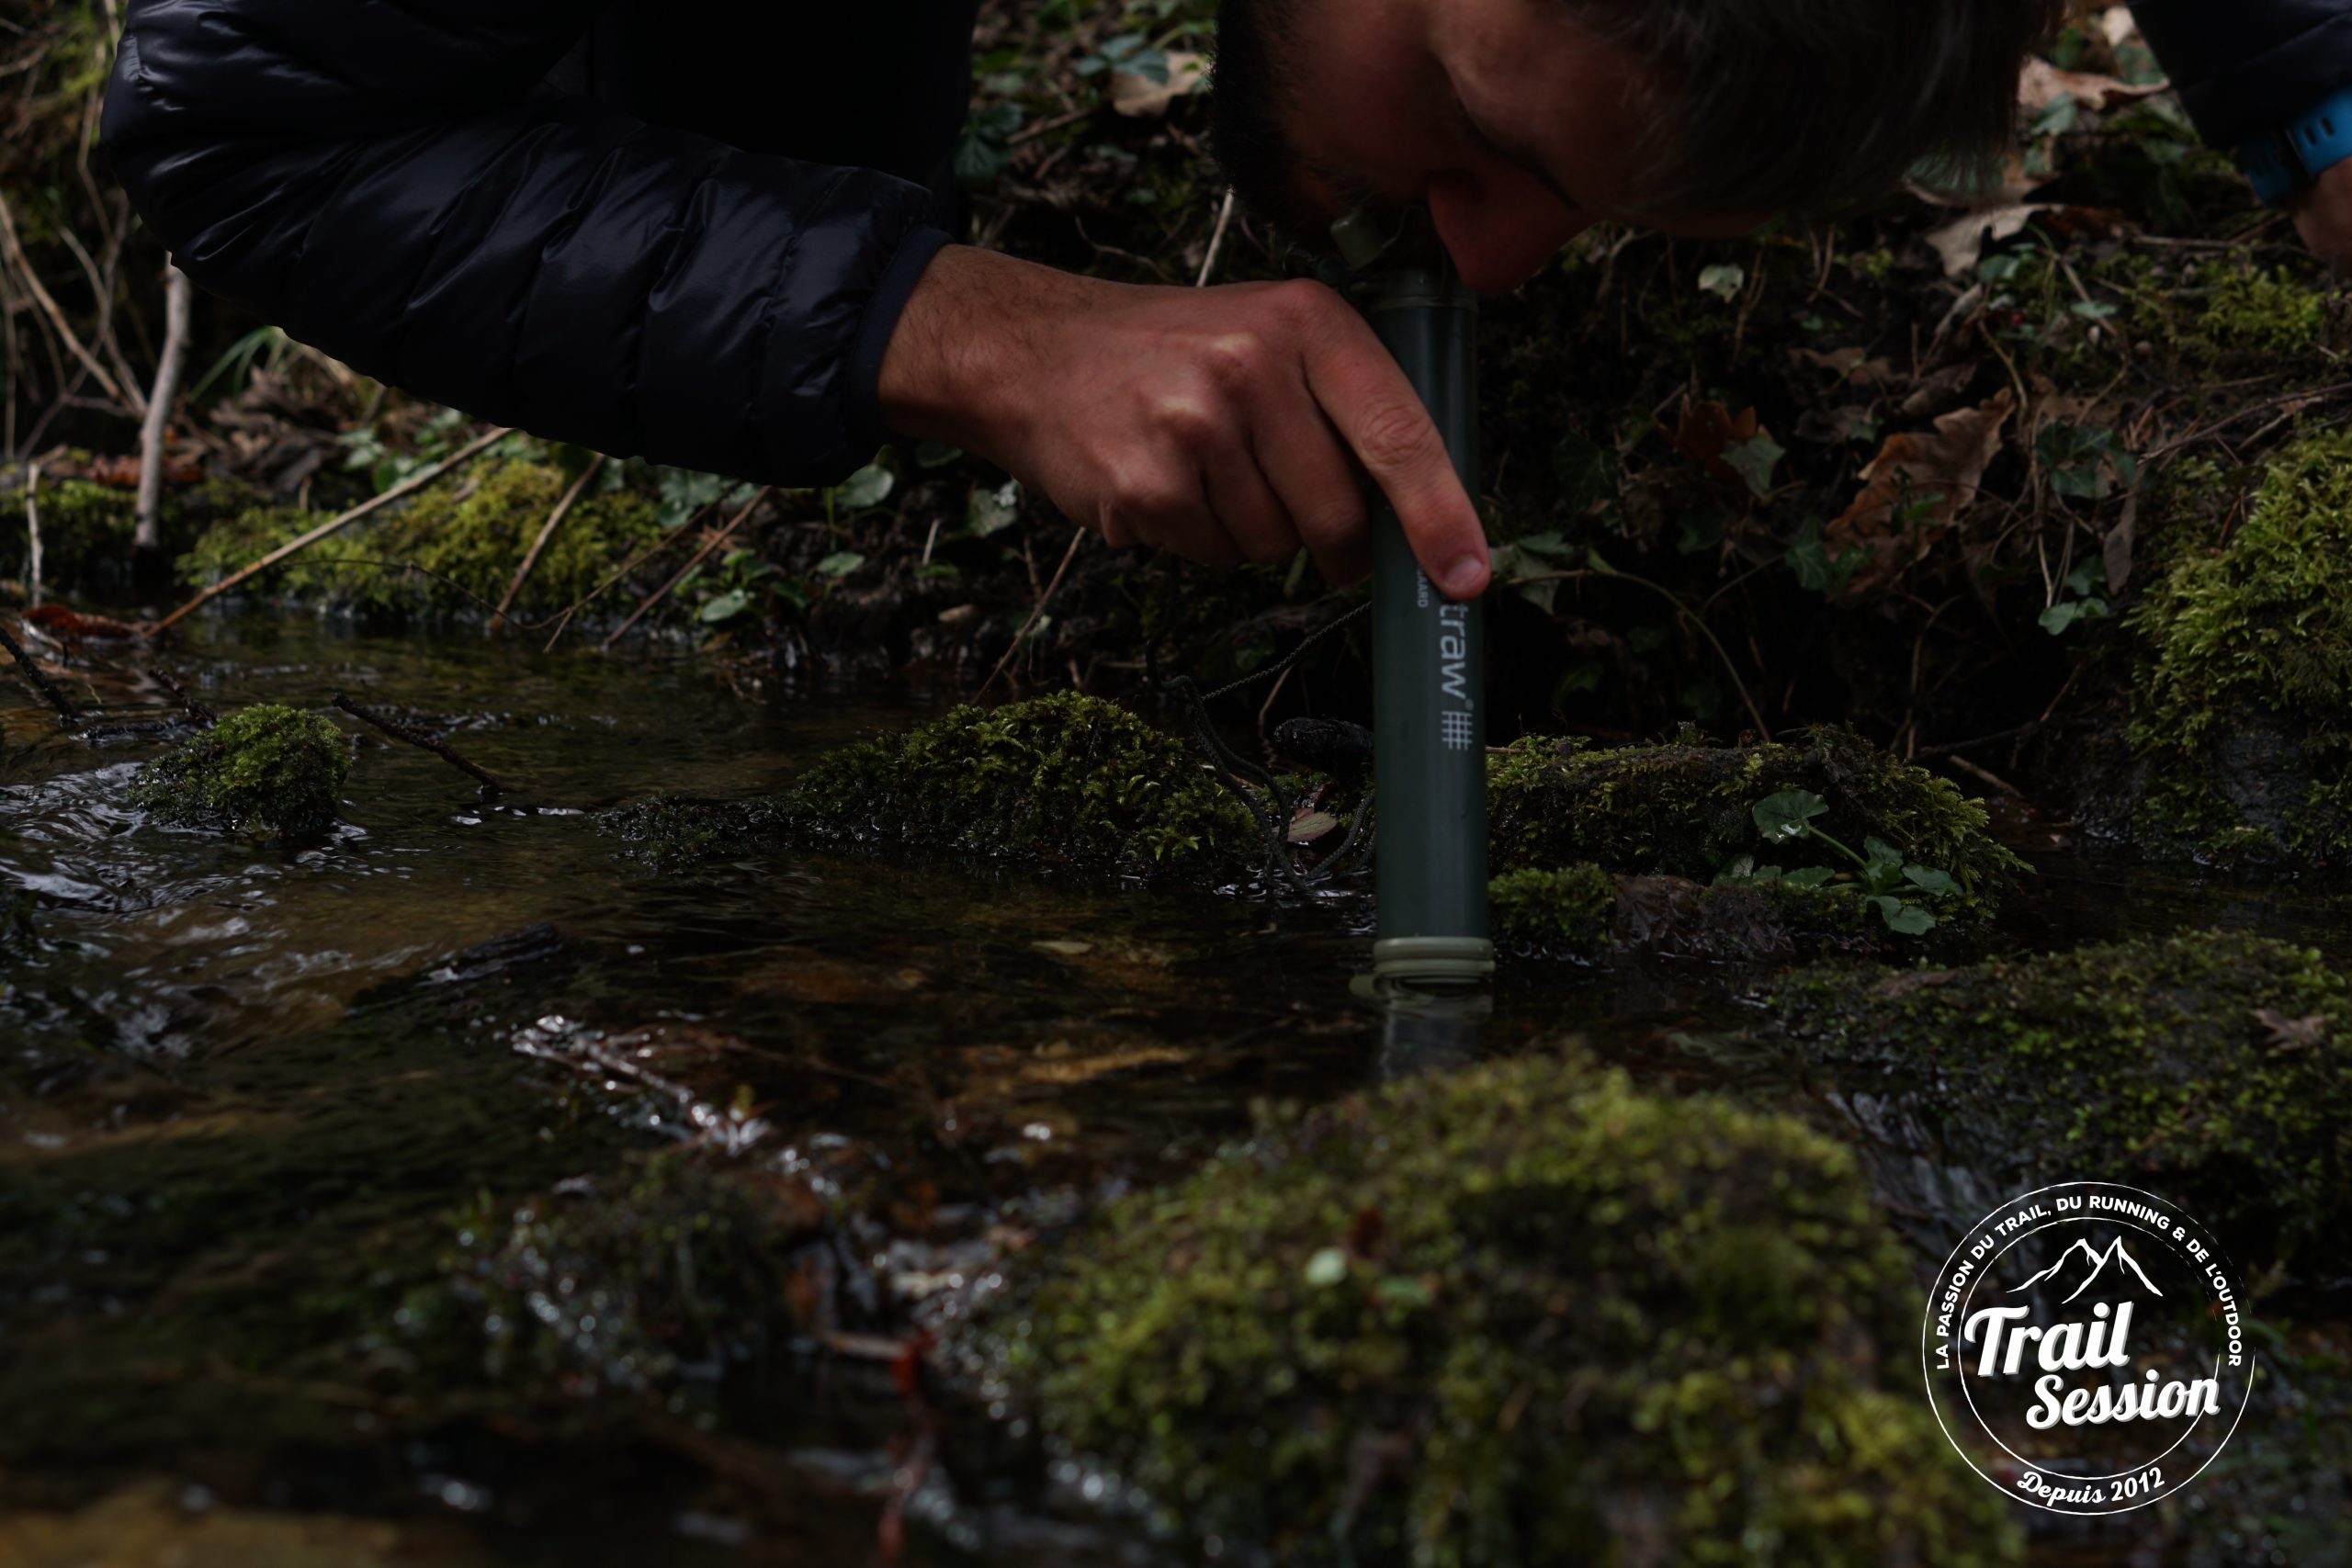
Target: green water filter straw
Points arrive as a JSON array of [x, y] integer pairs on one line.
[[1430, 731]]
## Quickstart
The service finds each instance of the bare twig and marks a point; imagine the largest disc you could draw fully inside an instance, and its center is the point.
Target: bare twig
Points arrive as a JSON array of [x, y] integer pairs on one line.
[[41, 683], [147, 534], [555, 520], [180, 695], [32, 534], [1077, 537], [422, 742], [56, 315], [1216, 242], [684, 572], [414, 482]]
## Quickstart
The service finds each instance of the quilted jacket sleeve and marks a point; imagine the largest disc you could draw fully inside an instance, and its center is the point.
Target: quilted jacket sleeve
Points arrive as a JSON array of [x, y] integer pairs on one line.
[[389, 180], [2245, 67]]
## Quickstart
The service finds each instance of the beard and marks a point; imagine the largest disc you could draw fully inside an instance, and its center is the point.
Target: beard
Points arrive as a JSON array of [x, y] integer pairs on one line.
[[1251, 92]]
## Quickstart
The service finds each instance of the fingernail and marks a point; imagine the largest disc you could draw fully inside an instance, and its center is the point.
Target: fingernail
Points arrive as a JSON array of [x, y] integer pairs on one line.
[[1465, 577]]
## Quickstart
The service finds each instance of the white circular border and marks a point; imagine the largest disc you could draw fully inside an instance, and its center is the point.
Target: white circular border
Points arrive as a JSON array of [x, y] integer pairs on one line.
[[1928, 1376]]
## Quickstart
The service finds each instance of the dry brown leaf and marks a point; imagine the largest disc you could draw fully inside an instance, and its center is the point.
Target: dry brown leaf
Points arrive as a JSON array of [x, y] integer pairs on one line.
[[1849, 365], [2043, 83], [1705, 429], [1947, 464], [1961, 240], [1139, 96]]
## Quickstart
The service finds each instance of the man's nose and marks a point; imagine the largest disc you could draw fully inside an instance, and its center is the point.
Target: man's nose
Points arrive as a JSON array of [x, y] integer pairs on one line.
[[1499, 232]]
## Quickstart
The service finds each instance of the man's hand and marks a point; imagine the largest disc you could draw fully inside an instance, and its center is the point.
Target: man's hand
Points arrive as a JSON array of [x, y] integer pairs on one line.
[[2323, 216], [1215, 424]]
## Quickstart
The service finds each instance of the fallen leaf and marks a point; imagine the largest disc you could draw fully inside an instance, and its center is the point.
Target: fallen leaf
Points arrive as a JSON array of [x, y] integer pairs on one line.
[[1938, 391], [1713, 437], [1850, 364], [1139, 96], [1931, 477], [1063, 948], [1311, 826], [1961, 240], [2115, 552], [2043, 83]]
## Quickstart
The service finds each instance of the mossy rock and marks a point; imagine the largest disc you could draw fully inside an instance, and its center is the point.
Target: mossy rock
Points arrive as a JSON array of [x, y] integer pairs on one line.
[[2240, 739], [662, 1281], [266, 770], [1567, 913], [1687, 810], [1062, 781], [1520, 1315], [1583, 913], [467, 532], [2214, 1067], [670, 833], [86, 528]]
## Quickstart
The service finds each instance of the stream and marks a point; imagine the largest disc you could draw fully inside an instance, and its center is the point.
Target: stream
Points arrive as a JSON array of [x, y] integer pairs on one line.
[[245, 1092]]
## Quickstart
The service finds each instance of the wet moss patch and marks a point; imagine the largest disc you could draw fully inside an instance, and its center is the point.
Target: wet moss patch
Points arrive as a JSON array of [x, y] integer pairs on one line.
[[1061, 781], [267, 770], [2211, 1066], [1518, 1315]]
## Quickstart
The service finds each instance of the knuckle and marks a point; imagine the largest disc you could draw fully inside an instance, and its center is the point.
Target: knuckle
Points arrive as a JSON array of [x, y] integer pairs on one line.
[[1301, 302], [1194, 421], [1236, 362]]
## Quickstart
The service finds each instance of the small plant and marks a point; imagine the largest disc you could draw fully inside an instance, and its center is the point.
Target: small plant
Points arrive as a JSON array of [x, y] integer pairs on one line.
[[1885, 882], [2086, 604]]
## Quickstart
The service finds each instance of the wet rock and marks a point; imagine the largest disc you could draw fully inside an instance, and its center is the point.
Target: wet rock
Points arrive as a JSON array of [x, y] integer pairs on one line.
[[670, 832], [1331, 745], [267, 770], [2214, 1067], [1688, 810], [1061, 781], [1584, 913], [2236, 741], [1518, 1315]]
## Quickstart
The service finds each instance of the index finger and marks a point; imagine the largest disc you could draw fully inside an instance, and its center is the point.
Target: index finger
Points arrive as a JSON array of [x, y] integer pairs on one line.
[[1377, 413]]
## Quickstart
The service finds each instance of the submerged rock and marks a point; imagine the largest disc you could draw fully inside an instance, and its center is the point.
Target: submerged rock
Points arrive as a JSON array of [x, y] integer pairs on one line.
[[266, 770], [1518, 1315], [2214, 1067], [2240, 747], [1061, 781]]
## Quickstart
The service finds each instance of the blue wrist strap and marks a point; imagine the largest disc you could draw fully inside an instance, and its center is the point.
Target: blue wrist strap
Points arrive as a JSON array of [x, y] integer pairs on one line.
[[2283, 164]]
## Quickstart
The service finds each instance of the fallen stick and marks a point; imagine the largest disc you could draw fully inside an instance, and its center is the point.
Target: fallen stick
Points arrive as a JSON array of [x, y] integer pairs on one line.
[[32, 534], [407, 485], [180, 695], [147, 532], [555, 520], [440, 748], [49, 693], [684, 572]]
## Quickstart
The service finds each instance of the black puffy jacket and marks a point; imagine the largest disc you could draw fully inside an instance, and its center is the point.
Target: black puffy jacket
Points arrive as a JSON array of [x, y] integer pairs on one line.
[[694, 242], [634, 263]]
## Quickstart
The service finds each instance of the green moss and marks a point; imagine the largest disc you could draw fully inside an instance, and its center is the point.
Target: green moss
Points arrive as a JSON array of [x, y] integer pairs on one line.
[[2238, 707], [2214, 1067], [666, 1281], [1520, 1315], [1061, 781], [87, 529], [1560, 913], [2252, 311], [469, 533], [1684, 809], [267, 770], [670, 832]]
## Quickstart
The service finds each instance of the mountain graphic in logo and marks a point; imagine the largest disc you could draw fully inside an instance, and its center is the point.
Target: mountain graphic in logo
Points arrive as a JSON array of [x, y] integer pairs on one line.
[[2097, 1261]]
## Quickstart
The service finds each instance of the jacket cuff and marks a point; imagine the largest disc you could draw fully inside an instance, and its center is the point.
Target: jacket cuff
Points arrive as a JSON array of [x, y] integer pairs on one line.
[[882, 311]]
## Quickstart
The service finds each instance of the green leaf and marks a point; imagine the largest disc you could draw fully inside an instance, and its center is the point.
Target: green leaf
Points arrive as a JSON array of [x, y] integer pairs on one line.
[[724, 607], [1723, 282], [2058, 617], [1404, 1291], [994, 511], [1783, 817], [1811, 876], [1935, 883], [1327, 1267], [870, 486], [1902, 918], [1754, 460], [840, 564]]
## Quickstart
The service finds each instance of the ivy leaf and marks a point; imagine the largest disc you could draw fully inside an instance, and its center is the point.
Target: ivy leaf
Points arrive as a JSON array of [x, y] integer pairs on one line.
[[1935, 883], [2058, 617], [994, 511], [1754, 459], [1783, 817], [1902, 918], [870, 486]]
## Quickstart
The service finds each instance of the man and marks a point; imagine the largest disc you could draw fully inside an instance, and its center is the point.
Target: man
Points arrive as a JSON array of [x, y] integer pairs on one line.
[[700, 232]]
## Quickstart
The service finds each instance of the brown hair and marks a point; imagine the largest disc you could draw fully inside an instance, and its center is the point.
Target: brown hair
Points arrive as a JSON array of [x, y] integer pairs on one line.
[[1809, 105]]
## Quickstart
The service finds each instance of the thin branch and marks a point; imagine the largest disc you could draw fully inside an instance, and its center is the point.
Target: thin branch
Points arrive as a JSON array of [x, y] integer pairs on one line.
[[684, 572], [414, 482], [147, 533], [56, 314], [41, 683], [1077, 537], [32, 534], [1216, 242], [180, 695], [422, 742], [555, 521]]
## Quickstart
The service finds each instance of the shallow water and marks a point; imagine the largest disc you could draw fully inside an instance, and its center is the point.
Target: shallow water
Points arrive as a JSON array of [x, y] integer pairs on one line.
[[244, 1090]]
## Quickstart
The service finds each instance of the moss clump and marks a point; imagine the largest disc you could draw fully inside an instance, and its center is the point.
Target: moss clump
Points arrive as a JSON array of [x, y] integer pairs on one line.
[[86, 528], [1521, 1315], [1686, 810], [660, 1280], [2253, 311], [2214, 1067], [469, 533], [2239, 724], [670, 832], [266, 770], [1061, 781], [1563, 914]]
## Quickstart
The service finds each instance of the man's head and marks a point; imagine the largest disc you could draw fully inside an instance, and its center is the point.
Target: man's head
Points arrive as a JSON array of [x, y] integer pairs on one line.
[[1520, 123]]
